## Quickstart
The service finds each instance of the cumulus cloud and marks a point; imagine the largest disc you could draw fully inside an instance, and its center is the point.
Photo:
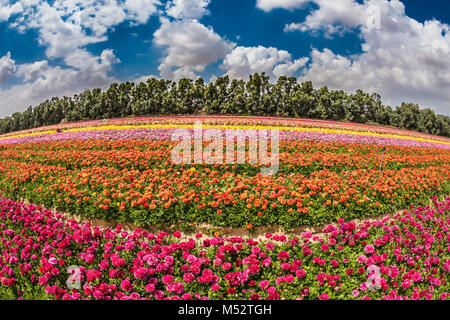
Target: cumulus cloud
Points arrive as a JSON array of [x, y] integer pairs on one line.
[[145, 78], [69, 24], [333, 17], [188, 52], [194, 9], [65, 28], [269, 5], [7, 10], [7, 67], [402, 59], [141, 10], [48, 82], [32, 71], [243, 61]]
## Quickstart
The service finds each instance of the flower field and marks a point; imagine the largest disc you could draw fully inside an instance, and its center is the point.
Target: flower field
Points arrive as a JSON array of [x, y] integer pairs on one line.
[[328, 175], [403, 257], [124, 172]]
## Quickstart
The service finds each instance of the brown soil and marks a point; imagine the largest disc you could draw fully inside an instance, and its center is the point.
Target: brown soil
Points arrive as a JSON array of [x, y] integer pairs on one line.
[[207, 230]]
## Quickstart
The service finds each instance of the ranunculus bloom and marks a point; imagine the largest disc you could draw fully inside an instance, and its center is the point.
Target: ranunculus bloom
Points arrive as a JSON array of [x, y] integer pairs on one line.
[[167, 279], [324, 296], [264, 284], [215, 287]]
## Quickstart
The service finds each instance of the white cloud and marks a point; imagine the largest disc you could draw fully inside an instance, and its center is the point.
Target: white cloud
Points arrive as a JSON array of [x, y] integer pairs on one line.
[[61, 36], [188, 52], [195, 9], [32, 71], [42, 82], [7, 67], [402, 59], [7, 10], [69, 24], [269, 5], [290, 67], [65, 28], [243, 61], [141, 10], [144, 78], [333, 17]]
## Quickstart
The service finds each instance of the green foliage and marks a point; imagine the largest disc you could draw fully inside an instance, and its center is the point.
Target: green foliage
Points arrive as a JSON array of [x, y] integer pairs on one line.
[[257, 96]]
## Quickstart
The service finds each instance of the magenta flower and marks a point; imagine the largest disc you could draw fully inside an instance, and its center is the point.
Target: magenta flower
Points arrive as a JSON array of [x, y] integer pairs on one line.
[[126, 285], [167, 279], [324, 296]]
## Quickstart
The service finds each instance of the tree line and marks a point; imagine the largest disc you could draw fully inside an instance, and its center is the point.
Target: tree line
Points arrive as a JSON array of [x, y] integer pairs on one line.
[[257, 96]]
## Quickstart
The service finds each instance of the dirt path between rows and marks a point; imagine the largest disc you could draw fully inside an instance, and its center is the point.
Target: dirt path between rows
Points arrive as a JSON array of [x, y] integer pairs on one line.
[[257, 233]]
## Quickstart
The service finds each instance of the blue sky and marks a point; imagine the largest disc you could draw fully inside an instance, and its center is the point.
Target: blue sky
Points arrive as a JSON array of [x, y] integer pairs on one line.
[[399, 49]]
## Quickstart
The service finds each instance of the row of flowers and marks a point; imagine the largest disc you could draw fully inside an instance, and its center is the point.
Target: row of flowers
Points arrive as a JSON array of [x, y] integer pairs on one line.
[[45, 256], [125, 133], [135, 180], [306, 127]]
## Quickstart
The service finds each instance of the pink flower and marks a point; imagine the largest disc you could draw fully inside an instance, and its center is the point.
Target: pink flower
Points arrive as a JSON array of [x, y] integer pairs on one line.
[[324, 296], [256, 250], [406, 284], [362, 258], [135, 296], [149, 287], [126, 285], [188, 277], [191, 259], [300, 273], [264, 284], [167, 279], [363, 286], [266, 262], [283, 255], [215, 287], [272, 290], [169, 260], [369, 249], [226, 266], [104, 265], [393, 273], [285, 266], [289, 278], [97, 294], [140, 273]]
